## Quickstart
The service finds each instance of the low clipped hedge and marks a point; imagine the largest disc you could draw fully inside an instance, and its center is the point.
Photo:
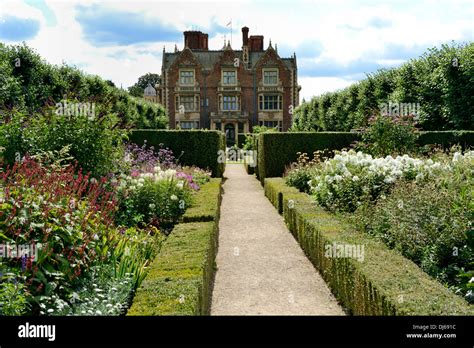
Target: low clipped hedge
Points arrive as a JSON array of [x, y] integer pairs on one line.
[[198, 147], [277, 150], [206, 203], [447, 138], [179, 281], [384, 283]]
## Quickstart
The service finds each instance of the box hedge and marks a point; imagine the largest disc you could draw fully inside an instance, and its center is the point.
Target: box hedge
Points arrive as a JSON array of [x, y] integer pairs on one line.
[[198, 147], [447, 138], [384, 283], [179, 281], [278, 150], [206, 203]]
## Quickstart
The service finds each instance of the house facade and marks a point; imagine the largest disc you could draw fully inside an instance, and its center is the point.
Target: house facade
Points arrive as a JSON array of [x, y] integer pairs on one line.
[[230, 90]]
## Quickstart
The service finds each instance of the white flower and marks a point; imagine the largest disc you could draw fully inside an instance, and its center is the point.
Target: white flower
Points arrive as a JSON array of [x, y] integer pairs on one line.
[[457, 156], [95, 236], [151, 206], [50, 310], [180, 185], [355, 178], [174, 197]]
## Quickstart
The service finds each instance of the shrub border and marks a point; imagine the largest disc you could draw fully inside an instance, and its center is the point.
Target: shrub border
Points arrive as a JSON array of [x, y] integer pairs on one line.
[[180, 279], [386, 283]]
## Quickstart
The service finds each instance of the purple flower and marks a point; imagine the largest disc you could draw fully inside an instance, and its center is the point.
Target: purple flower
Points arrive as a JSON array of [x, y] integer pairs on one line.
[[23, 262]]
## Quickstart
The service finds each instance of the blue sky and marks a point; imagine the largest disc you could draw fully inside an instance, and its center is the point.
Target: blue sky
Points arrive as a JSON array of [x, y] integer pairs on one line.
[[336, 42]]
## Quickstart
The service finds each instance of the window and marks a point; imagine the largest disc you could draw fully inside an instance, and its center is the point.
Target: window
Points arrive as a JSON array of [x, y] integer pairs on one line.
[[230, 103], [270, 77], [205, 102], [187, 102], [271, 124], [188, 124], [186, 77], [270, 102], [229, 77]]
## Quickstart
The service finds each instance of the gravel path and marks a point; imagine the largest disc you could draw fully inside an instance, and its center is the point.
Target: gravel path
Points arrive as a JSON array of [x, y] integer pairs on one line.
[[260, 267]]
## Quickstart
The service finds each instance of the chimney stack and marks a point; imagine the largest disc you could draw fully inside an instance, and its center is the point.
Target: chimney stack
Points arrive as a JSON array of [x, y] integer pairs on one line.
[[245, 36], [256, 43], [196, 40]]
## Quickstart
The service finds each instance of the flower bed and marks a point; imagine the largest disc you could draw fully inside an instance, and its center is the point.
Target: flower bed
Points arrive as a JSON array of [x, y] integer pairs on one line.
[[95, 237], [420, 207]]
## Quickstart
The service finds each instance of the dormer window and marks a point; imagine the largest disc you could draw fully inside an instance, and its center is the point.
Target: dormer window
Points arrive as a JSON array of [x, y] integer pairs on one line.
[[270, 77], [186, 77], [229, 77]]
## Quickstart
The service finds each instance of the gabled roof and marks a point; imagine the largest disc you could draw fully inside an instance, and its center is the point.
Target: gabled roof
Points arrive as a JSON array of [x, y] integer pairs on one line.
[[208, 59]]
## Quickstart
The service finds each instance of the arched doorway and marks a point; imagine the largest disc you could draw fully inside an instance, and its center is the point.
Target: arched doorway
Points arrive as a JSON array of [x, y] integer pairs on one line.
[[229, 130]]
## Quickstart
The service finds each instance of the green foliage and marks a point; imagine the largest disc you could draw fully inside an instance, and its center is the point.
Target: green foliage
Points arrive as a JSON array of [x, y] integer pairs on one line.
[[278, 150], [197, 147], [12, 297], [249, 143], [96, 144], [133, 252], [34, 84], [384, 283], [442, 88], [389, 136]]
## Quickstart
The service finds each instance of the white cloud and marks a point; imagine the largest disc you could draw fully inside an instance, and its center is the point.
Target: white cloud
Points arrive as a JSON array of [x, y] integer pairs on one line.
[[347, 31], [312, 86]]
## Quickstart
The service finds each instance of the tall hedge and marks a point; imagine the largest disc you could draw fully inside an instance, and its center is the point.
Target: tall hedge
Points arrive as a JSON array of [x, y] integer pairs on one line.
[[443, 88], [278, 150], [193, 147], [29, 83]]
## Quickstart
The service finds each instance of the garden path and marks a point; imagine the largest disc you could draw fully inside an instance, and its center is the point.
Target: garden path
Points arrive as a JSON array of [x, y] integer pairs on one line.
[[261, 269]]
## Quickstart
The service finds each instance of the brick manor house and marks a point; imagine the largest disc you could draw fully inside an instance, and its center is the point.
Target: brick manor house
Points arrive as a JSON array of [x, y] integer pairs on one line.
[[230, 90]]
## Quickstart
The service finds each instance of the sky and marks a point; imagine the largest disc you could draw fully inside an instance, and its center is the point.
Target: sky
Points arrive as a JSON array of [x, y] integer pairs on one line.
[[336, 42]]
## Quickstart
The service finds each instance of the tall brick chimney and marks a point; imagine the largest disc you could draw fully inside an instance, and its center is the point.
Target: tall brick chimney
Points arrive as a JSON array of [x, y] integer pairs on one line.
[[245, 36], [196, 40]]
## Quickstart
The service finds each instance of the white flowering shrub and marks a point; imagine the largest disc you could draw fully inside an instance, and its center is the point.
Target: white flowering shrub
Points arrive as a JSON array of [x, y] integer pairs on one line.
[[431, 223], [156, 198], [351, 178]]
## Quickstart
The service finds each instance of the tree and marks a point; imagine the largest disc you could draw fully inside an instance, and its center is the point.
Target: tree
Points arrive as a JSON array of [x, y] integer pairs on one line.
[[143, 81]]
